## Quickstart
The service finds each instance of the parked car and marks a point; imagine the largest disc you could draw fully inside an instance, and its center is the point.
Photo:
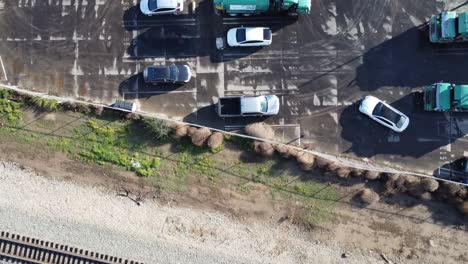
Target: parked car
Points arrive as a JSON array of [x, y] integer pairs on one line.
[[167, 74], [384, 113], [249, 37], [161, 7], [262, 105]]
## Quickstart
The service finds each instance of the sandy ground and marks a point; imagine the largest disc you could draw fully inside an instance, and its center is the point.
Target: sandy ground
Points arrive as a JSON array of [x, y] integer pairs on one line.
[[77, 204], [95, 219]]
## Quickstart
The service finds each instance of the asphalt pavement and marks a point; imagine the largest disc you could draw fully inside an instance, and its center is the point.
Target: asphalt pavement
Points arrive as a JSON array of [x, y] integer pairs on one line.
[[320, 65]]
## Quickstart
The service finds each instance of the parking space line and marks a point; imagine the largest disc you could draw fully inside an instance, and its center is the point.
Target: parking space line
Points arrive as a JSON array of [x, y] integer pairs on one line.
[[3, 68]]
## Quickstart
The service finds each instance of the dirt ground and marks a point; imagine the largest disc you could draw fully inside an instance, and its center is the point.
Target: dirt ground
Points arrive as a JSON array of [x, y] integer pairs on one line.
[[399, 239]]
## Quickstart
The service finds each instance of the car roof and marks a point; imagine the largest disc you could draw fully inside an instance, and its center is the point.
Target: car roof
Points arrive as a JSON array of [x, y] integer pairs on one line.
[[387, 113], [254, 33], [159, 72], [167, 3]]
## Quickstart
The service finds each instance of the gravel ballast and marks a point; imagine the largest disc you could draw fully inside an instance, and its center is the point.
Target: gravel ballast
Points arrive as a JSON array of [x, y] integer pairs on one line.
[[98, 220]]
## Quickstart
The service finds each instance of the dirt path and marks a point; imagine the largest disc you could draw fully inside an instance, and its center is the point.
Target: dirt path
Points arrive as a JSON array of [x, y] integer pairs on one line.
[[95, 219], [200, 224]]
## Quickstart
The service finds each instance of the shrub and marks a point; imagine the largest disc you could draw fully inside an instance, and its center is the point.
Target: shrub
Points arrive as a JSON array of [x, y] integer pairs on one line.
[[264, 148], [77, 107], [181, 132], [157, 128], [306, 160], [215, 140], [260, 130], [356, 172], [321, 162], [200, 136], [371, 175], [429, 185], [463, 207], [191, 131], [4, 93], [343, 172], [44, 103], [368, 197], [285, 151]]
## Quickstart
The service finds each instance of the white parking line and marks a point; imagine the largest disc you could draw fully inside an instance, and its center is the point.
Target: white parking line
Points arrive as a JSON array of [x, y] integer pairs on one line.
[[3, 68], [159, 92]]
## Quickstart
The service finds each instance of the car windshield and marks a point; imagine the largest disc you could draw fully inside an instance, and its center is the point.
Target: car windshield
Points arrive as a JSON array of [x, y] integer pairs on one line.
[[387, 113], [264, 104], [153, 5], [240, 35], [174, 72], [266, 34]]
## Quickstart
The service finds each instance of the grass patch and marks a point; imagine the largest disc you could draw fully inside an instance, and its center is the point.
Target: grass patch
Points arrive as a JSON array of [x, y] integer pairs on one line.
[[10, 111], [143, 149], [44, 103]]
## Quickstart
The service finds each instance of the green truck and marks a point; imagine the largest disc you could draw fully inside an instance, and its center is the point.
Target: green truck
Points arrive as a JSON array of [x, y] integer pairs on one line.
[[257, 7], [446, 97], [448, 26]]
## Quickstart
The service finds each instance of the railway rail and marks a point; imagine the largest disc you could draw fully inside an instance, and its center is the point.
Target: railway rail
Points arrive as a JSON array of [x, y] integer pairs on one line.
[[21, 249]]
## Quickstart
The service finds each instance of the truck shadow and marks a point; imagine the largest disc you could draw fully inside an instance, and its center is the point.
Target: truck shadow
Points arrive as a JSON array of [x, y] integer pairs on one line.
[[453, 171], [426, 132], [410, 60]]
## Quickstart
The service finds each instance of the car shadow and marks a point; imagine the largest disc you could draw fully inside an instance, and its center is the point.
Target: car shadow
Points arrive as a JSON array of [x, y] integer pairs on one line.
[[135, 87], [192, 35], [427, 131], [208, 116]]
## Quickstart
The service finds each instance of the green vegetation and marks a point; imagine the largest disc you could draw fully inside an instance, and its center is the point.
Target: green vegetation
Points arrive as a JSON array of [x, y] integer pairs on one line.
[[44, 104], [157, 128], [145, 147], [10, 111]]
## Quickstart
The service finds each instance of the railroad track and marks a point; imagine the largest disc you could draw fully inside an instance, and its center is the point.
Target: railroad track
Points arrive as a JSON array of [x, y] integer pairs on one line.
[[21, 249]]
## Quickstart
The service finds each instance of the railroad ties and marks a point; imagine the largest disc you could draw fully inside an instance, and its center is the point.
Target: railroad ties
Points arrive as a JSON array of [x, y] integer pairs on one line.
[[21, 249]]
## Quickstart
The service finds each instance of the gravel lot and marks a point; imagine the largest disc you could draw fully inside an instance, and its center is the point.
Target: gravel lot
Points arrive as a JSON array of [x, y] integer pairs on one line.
[[97, 220]]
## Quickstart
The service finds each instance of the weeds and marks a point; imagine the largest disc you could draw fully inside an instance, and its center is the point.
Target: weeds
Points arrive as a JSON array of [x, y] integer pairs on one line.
[[10, 111], [44, 104], [157, 128]]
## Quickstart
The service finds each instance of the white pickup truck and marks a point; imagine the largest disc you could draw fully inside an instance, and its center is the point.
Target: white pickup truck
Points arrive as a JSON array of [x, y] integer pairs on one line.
[[248, 106]]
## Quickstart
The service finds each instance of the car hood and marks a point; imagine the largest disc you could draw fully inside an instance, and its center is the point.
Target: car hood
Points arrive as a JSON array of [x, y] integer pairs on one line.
[[231, 37], [184, 73], [273, 104], [144, 7], [368, 104]]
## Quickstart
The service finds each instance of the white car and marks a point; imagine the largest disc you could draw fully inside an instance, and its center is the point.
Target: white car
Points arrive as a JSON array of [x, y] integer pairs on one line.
[[249, 37], [384, 113], [161, 7]]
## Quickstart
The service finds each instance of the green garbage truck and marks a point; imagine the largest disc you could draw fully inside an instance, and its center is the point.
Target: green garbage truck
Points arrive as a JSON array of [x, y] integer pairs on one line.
[[445, 97], [448, 26], [259, 7]]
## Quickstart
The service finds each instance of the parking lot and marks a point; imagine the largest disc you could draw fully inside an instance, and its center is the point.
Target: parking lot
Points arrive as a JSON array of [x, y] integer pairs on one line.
[[319, 65]]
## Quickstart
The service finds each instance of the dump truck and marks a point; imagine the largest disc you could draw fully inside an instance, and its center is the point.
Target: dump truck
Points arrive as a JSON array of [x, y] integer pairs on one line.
[[446, 97], [448, 26], [248, 106], [260, 7]]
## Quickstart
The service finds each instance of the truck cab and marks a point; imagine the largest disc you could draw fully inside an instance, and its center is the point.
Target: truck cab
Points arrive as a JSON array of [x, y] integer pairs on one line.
[[446, 97], [448, 26], [257, 7]]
